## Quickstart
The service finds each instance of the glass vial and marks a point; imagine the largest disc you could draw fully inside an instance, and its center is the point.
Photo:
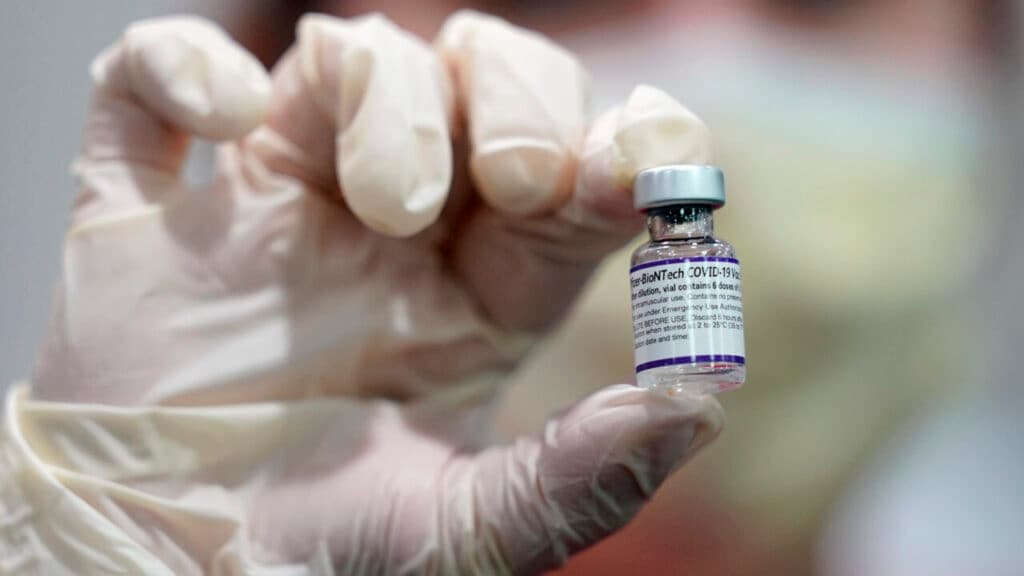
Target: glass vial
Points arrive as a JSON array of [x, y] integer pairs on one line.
[[685, 286]]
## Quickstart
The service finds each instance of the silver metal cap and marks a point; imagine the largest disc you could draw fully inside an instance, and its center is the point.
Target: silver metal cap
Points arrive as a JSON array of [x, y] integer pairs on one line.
[[679, 184]]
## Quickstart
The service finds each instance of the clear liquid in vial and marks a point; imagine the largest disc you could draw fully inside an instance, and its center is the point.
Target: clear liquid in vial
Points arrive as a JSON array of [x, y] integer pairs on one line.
[[707, 377]]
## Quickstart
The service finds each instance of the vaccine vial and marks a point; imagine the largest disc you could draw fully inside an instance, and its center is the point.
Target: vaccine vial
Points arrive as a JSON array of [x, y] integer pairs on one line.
[[685, 286]]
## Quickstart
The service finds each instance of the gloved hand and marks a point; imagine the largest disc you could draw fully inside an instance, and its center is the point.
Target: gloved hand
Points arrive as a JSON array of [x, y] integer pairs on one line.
[[389, 226]]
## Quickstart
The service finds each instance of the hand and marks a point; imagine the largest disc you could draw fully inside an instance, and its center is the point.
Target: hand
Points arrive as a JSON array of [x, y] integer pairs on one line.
[[348, 248]]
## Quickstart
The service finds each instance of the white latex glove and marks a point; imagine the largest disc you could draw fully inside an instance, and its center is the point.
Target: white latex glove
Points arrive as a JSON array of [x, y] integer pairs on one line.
[[347, 249]]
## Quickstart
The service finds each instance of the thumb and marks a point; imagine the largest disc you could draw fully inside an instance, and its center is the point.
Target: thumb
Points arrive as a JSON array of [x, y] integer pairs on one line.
[[538, 501]]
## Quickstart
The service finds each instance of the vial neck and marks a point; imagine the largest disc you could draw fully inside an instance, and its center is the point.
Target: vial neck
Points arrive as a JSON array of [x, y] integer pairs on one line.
[[680, 222]]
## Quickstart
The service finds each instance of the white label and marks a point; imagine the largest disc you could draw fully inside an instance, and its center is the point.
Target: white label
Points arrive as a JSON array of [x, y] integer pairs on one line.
[[687, 311]]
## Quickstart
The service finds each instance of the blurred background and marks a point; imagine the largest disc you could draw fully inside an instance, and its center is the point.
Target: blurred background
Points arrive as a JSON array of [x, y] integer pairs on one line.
[[871, 150]]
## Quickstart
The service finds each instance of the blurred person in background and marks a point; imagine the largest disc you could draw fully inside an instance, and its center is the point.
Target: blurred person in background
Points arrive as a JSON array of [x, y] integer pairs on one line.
[[944, 496], [854, 137]]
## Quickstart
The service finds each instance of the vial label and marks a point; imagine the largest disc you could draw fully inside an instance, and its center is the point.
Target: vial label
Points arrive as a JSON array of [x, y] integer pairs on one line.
[[687, 311]]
